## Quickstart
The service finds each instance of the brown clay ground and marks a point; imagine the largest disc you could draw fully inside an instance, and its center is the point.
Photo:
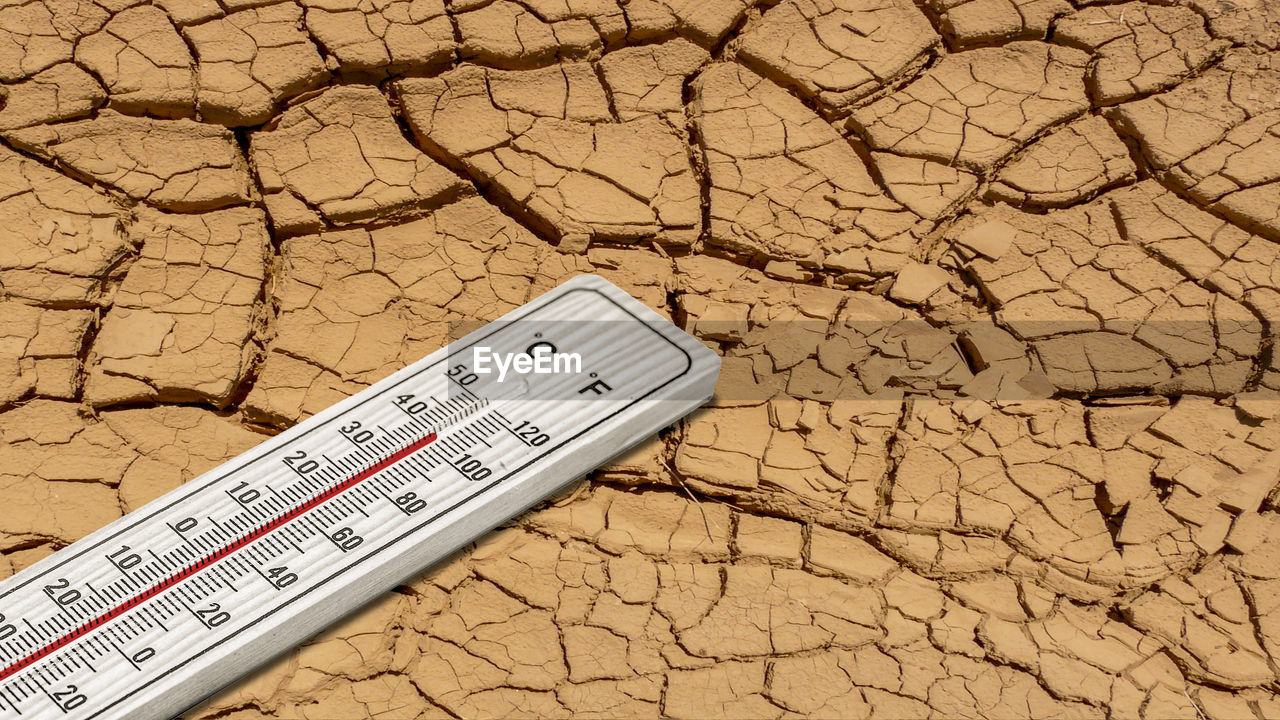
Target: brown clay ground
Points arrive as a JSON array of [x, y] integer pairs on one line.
[[995, 283]]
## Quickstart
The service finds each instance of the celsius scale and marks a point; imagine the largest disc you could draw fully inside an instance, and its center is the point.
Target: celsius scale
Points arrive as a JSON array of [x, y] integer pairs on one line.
[[153, 613]]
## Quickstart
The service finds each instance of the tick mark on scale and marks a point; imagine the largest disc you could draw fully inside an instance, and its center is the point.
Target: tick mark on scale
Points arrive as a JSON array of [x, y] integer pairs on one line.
[[213, 557]]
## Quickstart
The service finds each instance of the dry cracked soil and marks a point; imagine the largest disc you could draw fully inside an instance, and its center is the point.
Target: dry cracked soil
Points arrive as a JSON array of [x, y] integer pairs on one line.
[[998, 430]]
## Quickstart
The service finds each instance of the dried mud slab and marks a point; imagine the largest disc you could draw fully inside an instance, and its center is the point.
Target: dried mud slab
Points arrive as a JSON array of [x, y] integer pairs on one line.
[[706, 22], [339, 158], [785, 185], [1140, 47], [977, 22], [1102, 314], [513, 33], [173, 164], [1172, 479], [1252, 22], [838, 53], [522, 33], [65, 245], [386, 36], [976, 107], [64, 240], [1204, 247], [1212, 138], [181, 319], [810, 390], [189, 12], [40, 350], [38, 34], [649, 79], [250, 60], [929, 189], [1028, 474], [144, 62], [549, 141], [1068, 165], [1205, 620], [61, 92], [1021, 473], [1207, 249]]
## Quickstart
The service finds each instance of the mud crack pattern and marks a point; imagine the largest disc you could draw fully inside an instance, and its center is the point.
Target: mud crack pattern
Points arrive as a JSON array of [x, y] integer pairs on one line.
[[995, 284]]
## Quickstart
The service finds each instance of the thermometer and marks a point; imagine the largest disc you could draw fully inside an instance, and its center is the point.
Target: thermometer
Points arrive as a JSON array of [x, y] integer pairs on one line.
[[154, 612]]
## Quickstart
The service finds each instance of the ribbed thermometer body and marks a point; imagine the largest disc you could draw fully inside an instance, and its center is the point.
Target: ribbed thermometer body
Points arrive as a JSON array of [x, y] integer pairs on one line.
[[149, 615]]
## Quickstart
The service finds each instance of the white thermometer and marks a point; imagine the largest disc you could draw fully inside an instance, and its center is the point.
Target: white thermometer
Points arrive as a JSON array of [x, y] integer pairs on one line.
[[151, 614]]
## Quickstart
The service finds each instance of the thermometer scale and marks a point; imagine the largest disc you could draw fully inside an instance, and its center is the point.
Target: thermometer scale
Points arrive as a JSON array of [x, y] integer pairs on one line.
[[151, 614]]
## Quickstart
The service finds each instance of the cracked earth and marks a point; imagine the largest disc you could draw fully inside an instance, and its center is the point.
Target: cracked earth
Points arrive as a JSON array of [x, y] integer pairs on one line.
[[998, 429]]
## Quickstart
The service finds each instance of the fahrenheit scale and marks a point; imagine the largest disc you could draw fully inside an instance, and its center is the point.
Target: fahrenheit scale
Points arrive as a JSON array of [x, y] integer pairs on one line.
[[149, 615]]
